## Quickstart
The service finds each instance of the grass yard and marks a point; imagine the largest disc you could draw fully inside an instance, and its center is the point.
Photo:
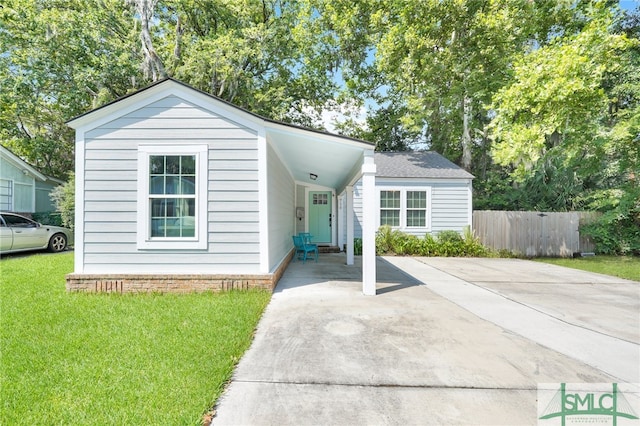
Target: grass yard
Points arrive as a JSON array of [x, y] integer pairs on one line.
[[620, 266], [109, 358]]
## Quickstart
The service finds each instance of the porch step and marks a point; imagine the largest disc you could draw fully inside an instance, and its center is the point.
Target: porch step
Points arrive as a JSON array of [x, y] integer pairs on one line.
[[329, 249]]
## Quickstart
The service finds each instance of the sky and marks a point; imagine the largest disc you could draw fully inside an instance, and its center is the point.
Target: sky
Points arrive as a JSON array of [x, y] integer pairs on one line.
[[629, 4]]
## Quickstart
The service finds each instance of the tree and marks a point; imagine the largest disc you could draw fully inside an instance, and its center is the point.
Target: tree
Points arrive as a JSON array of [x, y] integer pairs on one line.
[[439, 61], [539, 99], [152, 65], [63, 197], [57, 60], [617, 231], [385, 128], [247, 53], [550, 123]]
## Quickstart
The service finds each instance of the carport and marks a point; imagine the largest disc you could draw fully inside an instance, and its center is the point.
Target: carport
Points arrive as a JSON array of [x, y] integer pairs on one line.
[[335, 162]]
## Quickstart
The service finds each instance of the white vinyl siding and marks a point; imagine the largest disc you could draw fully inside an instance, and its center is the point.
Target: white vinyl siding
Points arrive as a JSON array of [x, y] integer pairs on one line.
[[111, 191], [449, 206], [281, 190]]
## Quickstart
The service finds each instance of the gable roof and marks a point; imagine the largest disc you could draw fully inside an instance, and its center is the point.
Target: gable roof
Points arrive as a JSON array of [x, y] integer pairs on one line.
[[26, 167], [417, 164], [334, 159], [88, 116]]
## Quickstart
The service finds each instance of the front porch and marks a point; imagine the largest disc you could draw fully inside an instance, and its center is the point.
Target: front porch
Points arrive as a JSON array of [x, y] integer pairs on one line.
[[325, 168]]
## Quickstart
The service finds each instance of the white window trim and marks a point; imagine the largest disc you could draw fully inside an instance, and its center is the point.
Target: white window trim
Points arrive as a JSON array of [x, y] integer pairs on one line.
[[403, 207], [11, 195], [144, 240]]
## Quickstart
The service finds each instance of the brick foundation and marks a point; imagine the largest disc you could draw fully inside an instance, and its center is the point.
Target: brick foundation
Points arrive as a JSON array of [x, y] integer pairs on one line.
[[176, 283]]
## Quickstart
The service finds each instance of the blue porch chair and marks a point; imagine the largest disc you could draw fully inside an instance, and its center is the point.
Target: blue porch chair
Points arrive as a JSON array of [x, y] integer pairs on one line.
[[303, 249], [306, 237]]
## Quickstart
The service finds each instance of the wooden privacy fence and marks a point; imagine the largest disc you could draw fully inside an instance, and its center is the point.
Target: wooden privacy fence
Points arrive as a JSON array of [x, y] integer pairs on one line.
[[533, 233]]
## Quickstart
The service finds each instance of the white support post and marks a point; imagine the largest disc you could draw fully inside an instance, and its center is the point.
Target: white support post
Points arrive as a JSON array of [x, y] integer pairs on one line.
[[369, 226], [349, 225]]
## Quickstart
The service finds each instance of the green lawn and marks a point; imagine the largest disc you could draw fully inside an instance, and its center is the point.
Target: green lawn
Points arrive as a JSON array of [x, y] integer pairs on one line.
[[113, 359], [620, 266]]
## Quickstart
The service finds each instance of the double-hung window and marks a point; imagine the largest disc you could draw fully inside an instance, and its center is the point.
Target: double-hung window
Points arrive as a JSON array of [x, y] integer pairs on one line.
[[172, 197], [405, 208], [390, 208], [416, 209]]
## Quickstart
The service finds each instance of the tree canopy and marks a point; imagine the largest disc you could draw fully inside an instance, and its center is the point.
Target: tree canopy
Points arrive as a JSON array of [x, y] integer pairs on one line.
[[539, 100]]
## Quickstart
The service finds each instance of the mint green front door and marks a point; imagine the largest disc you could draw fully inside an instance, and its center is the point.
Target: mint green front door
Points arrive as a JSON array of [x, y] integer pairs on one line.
[[320, 216]]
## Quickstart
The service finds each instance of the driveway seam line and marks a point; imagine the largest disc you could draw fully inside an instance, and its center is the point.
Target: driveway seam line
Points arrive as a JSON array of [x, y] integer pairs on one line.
[[383, 385]]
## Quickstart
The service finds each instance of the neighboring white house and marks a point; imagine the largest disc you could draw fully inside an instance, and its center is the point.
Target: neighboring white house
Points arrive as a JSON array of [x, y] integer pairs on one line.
[[419, 192], [24, 189], [179, 190]]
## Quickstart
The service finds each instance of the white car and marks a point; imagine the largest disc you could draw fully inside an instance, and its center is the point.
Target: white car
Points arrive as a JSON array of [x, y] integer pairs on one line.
[[18, 233]]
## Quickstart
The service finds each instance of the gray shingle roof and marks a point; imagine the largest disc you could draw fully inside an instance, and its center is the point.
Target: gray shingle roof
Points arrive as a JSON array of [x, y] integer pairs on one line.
[[417, 164]]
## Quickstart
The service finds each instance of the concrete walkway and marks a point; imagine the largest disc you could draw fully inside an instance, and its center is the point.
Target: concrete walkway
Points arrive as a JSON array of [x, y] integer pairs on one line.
[[431, 347]]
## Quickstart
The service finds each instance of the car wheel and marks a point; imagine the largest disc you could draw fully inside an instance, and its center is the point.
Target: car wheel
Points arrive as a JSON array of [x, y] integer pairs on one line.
[[58, 243]]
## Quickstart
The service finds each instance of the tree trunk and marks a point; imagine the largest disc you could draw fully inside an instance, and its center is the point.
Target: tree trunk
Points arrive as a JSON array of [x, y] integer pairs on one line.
[[177, 51], [466, 132], [152, 65]]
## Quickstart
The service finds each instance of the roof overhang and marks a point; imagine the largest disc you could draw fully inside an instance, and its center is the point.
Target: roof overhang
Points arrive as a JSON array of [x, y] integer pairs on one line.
[[318, 158]]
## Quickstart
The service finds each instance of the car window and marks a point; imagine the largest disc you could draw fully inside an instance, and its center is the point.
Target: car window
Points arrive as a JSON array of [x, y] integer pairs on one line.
[[18, 222]]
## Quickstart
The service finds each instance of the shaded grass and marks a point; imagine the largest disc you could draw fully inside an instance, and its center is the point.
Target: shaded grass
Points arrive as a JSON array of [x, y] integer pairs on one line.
[[71, 358], [620, 266]]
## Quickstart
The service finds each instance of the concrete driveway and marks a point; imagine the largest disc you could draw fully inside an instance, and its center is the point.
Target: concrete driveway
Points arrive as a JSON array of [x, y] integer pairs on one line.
[[445, 341]]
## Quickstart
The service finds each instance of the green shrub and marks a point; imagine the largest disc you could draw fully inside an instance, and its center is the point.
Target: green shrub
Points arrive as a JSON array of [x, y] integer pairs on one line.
[[63, 197], [471, 244], [428, 246], [404, 244], [447, 243], [383, 240], [48, 218], [617, 231], [357, 246], [449, 236], [504, 254], [392, 241], [450, 244]]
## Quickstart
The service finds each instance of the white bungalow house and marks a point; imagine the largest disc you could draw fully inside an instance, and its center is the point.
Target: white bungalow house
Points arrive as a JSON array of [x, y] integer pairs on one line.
[[23, 189], [177, 190]]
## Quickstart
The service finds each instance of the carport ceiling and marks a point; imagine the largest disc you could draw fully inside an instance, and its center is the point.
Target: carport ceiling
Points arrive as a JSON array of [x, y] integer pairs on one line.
[[334, 159]]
